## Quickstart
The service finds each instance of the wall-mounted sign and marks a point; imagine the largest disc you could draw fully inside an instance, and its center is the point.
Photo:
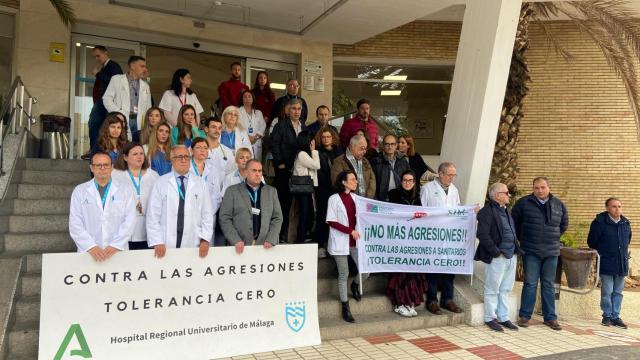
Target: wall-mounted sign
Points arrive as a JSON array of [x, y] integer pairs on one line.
[[56, 52]]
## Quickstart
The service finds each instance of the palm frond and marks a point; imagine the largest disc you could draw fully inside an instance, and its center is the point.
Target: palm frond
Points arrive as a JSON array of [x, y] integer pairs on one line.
[[65, 11], [543, 11]]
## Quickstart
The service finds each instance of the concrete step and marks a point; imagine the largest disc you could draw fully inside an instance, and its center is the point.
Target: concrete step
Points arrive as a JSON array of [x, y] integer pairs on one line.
[[57, 165], [51, 177], [329, 285], [33, 261], [31, 283], [35, 243], [23, 341], [37, 192], [28, 309], [38, 223], [384, 323], [327, 268], [329, 306], [40, 207]]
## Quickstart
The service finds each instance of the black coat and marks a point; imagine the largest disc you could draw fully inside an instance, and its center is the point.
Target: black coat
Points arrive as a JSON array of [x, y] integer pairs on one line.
[[278, 107], [612, 242], [400, 196], [103, 77], [489, 233], [538, 227], [284, 144], [417, 164], [324, 174], [382, 169]]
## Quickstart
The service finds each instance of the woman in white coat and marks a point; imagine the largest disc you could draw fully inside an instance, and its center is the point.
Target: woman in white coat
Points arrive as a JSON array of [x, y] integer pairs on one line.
[[102, 212], [307, 163], [178, 95], [207, 171], [341, 218], [234, 135], [252, 119], [162, 214], [132, 169]]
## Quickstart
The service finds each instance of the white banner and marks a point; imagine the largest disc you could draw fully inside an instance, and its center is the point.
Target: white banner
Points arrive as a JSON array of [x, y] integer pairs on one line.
[[135, 306], [414, 239]]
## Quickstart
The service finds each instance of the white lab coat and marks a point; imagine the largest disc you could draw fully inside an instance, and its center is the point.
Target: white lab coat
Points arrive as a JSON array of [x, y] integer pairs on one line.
[[336, 211], [242, 141], [171, 104], [212, 177], [162, 213], [222, 158], [149, 179], [116, 98], [91, 226], [432, 195], [255, 125]]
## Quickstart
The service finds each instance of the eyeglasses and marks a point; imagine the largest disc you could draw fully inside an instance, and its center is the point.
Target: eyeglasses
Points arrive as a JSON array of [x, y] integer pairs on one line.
[[504, 192], [407, 181], [201, 148], [390, 144], [181, 157], [101, 166]]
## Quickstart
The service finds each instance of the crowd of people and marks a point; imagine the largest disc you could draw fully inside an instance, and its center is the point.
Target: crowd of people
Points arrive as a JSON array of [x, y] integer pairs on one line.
[[171, 177]]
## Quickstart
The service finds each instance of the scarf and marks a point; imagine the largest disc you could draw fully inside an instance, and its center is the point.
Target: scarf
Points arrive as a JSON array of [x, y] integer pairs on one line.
[[357, 166]]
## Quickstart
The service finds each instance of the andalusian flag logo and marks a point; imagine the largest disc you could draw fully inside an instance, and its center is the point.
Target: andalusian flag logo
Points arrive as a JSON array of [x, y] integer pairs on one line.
[[74, 331]]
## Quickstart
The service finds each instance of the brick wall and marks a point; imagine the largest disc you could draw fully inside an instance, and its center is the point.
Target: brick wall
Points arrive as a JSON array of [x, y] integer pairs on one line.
[[578, 128]]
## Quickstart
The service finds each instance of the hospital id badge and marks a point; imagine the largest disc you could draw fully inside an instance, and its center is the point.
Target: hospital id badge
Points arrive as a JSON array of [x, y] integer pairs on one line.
[[255, 211], [139, 208], [135, 110]]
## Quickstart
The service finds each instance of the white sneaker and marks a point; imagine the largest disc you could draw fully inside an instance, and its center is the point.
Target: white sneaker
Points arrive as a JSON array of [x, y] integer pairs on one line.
[[412, 310], [322, 253], [402, 311]]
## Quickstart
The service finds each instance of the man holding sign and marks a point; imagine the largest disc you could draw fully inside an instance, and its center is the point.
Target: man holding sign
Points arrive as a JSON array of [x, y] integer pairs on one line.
[[441, 193]]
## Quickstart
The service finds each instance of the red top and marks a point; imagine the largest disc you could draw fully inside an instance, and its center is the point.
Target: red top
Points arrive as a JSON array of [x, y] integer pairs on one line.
[[350, 205], [264, 103], [351, 126], [230, 93]]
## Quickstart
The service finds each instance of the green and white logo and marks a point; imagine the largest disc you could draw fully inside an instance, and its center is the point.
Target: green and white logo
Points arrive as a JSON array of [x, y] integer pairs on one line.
[[74, 330]]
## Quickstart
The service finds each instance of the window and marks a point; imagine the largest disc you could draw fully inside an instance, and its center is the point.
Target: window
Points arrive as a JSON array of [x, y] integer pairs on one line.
[[410, 99]]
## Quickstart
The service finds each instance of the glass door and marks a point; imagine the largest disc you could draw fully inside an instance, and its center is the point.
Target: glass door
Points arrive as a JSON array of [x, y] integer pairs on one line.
[[278, 72], [83, 70]]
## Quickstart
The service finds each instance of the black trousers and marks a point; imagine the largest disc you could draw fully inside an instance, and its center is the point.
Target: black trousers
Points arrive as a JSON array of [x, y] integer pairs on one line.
[[284, 197], [446, 282], [138, 245]]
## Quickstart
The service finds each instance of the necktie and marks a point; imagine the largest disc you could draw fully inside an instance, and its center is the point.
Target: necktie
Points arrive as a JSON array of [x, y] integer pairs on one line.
[[180, 225]]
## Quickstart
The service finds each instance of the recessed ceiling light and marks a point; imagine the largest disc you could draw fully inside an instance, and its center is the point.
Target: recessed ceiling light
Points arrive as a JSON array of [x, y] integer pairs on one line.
[[390, 92], [78, 44], [396, 77], [278, 86]]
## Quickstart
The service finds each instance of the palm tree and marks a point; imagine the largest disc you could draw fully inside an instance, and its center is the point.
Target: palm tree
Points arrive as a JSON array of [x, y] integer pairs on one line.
[[65, 11], [609, 23]]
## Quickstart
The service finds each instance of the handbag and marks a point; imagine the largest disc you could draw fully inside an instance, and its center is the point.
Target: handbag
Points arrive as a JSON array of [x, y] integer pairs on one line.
[[300, 185]]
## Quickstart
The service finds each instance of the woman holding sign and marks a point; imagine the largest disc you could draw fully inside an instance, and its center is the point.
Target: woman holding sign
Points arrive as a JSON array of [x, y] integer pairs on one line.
[[405, 290], [132, 170], [341, 218]]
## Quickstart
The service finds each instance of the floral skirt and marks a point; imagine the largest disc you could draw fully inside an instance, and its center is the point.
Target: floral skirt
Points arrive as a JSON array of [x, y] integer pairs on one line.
[[406, 288]]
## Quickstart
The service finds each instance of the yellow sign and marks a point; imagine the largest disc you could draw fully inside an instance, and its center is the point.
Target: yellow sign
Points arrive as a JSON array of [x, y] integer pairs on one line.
[[56, 52]]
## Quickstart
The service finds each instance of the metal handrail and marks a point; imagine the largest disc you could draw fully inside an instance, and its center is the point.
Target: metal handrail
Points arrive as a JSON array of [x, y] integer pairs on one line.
[[16, 107]]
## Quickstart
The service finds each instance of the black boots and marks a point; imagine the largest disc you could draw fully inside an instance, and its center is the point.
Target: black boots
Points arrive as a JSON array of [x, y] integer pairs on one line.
[[355, 291], [346, 313]]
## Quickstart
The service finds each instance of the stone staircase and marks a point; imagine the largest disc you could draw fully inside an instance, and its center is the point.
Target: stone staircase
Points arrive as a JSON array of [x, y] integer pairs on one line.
[[35, 219]]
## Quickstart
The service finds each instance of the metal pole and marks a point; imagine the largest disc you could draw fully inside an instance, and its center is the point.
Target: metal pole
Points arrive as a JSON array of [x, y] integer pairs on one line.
[[29, 106], [21, 105], [14, 107]]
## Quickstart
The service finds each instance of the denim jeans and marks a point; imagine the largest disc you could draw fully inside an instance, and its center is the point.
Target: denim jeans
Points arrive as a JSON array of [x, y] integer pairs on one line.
[[96, 118], [611, 295], [544, 269], [499, 277]]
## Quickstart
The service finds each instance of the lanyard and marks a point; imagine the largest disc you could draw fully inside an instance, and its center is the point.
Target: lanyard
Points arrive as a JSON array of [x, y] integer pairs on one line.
[[195, 168], [139, 184], [231, 138], [106, 192], [185, 100], [254, 197], [180, 190]]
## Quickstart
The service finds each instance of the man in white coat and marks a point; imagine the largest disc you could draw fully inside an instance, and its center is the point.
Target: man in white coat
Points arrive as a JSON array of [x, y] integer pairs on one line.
[[128, 94], [179, 213], [441, 193], [102, 216]]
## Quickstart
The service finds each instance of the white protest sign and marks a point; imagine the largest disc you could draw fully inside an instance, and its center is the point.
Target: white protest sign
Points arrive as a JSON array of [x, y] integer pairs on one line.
[[414, 239], [135, 306]]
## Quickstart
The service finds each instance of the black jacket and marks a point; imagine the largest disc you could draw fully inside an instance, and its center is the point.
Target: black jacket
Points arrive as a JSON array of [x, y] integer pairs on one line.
[[489, 233], [401, 196], [324, 174], [382, 169], [538, 227], [612, 242], [284, 146], [417, 164], [103, 77]]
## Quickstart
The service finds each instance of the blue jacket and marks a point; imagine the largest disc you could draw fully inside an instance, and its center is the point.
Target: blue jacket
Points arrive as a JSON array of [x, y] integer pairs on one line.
[[489, 233], [538, 227], [612, 242]]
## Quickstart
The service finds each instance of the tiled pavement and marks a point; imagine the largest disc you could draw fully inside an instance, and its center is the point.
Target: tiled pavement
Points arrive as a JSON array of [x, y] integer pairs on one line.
[[467, 342]]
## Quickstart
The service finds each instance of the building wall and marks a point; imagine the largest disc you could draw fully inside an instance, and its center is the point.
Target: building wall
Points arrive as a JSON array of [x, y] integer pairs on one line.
[[38, 25], [578, 128]]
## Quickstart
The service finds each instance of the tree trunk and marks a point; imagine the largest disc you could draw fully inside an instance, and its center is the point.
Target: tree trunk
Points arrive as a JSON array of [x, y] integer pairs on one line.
[[504, 167]]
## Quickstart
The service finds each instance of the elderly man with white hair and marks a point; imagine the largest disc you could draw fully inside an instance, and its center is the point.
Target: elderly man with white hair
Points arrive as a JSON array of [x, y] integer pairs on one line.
[[353, 159], [498, 249]]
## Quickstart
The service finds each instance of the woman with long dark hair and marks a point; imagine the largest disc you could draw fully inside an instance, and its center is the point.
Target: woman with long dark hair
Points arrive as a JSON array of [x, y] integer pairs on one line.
[[306, 163], [187, 128], [406, 290], [132, 168], [179, 95], [265, 98], [328, 145], [112, 136], [152, 118], [159, 149]]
